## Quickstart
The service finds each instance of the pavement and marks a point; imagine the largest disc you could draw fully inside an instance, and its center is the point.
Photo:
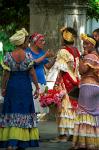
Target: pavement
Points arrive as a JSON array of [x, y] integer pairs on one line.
[[48, 131]]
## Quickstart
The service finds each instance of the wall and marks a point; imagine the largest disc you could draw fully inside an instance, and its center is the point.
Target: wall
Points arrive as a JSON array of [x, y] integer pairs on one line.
[[47, 18], [91, 25]]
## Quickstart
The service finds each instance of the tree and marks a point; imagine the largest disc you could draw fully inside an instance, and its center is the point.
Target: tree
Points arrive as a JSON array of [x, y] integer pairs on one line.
[[93, 9], [14, 15]]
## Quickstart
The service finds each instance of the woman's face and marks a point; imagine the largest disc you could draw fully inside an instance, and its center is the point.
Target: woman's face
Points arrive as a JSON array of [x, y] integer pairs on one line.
[[96, 36], [87, 46], [40, 43]]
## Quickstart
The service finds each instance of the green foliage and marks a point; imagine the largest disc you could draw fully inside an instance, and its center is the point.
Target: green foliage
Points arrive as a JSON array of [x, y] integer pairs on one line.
[[7, 46], [14, 15], [93, 9]]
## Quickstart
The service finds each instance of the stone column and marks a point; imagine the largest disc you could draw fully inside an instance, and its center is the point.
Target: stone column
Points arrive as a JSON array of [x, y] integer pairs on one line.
[[48, 16], [76, 17], [47, 19]]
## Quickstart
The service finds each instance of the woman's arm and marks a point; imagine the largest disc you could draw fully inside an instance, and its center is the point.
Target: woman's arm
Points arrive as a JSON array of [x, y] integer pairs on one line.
[[83, 68], [38, 60], [5, 78], [46, 55], [33, 74], [50, 63]]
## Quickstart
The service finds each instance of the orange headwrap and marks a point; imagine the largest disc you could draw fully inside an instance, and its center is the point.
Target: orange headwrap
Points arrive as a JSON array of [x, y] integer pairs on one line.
[[68, 36], [84, 37]]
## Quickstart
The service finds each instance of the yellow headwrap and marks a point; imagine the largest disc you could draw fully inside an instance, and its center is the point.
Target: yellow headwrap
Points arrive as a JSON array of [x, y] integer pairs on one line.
[[19, 37], [68, 36], [84, 37]]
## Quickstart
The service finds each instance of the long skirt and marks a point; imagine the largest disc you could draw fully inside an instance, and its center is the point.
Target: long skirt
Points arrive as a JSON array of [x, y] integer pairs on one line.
[[65, 117], [18, 118], [86, 128], [65, 114]]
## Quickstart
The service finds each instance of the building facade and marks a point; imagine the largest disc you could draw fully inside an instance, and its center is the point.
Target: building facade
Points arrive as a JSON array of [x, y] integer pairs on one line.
[[48, 16]]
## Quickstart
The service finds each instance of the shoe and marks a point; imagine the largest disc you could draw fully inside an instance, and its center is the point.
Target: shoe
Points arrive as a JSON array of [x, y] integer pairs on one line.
[[70, 138], [78, 148], [57, 140], [20, 148], [10, 148], [63, 140]]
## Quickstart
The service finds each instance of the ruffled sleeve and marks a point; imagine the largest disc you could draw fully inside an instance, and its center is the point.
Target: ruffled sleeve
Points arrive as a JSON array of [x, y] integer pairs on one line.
[[6, 62], [30, 60], [63, 58], [92, 61], [65, 55]]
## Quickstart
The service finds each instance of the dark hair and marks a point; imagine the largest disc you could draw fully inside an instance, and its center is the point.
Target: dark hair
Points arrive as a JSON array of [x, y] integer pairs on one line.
[[96, 30], [74, 32], [97, 46], [67, 42]]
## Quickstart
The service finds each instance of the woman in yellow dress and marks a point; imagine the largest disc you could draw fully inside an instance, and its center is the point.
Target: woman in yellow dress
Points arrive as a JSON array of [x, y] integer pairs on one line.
[[64, 74]]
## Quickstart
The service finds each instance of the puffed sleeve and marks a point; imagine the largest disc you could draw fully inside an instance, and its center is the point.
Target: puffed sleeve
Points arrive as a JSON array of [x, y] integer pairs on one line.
[[30, 60], [92, 61], [6, 62], [63, 58], [65, 55]]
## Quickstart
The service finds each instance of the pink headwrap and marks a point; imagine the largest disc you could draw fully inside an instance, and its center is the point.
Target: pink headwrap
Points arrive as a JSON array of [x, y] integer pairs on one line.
[[35, 37]]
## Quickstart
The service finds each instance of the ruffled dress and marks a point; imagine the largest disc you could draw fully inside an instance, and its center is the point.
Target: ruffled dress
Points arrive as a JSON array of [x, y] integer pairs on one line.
[[65, 68], [86, 128], [18, 119]]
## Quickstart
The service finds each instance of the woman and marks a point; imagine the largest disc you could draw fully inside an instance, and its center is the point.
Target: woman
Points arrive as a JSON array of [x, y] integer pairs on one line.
[[86, 129], [18, 120], [40, 57], [65, 72], [96, 37]]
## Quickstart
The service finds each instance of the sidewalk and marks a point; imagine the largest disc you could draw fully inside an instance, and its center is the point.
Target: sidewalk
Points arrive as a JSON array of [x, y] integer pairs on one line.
[[48, 131]]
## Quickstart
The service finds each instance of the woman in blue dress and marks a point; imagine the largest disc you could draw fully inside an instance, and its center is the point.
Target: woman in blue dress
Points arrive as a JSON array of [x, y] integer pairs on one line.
[[18, 119], [40, 57]]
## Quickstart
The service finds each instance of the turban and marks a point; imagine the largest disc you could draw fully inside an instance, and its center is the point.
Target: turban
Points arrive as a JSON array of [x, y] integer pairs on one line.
[[36, 37], [84, 37], [68, 36], [19, 37]]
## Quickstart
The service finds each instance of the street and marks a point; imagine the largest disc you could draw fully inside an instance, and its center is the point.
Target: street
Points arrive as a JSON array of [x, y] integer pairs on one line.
[[48, 131]]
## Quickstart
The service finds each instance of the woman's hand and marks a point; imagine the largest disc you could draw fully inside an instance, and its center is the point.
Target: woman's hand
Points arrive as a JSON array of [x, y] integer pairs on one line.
[[3, 92], [49, 53], [36, 93]]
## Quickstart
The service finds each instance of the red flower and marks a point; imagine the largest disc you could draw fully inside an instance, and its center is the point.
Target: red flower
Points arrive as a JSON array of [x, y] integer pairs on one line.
[[52, 97]]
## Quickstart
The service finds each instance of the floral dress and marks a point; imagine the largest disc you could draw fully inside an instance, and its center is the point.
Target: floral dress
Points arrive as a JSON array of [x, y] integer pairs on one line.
[[18, 119]]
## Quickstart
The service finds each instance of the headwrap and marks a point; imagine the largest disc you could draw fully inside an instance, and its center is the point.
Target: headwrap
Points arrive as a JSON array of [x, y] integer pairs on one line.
[[35, 37], [68, 36], [84, 37], [19, 37]]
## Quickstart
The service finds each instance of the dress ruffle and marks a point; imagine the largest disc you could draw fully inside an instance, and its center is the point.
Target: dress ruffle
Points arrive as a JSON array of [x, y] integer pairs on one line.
[[86, 129], [21, 137], [66, 117], [18, 120]]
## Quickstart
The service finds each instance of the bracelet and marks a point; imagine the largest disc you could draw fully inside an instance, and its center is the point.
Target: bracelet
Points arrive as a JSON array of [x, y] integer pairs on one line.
[[3, 89]]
